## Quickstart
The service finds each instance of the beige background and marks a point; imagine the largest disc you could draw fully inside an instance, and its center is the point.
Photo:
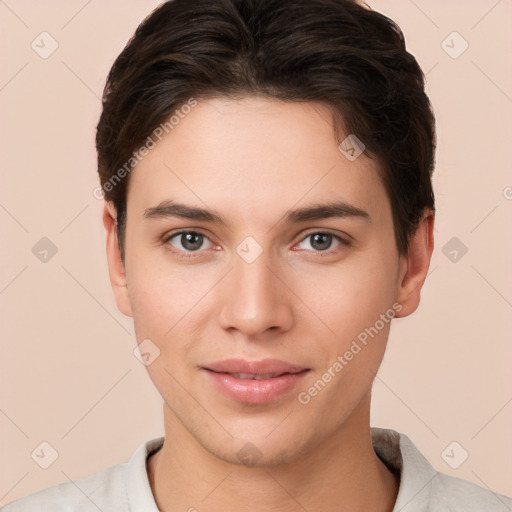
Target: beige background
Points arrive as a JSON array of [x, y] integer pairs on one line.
[[68, 373]]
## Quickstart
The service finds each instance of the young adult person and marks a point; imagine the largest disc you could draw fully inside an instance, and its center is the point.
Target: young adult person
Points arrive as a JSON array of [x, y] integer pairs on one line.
[[269, 211]]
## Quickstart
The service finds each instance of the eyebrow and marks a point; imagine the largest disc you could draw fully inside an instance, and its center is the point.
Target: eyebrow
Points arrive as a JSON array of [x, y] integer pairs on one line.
[[172, 209], [326, 211], [333, 209]]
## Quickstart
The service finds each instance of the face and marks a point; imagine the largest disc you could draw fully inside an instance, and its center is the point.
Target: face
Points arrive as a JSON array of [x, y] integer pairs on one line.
[[256, 294]]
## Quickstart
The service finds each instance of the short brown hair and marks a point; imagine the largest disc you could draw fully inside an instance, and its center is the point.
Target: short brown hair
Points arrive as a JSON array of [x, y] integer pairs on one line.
[[337, 52]]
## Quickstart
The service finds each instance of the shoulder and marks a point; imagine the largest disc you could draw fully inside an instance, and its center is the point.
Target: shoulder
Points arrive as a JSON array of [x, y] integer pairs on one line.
[[104, 490], [113, 488], [424, 489], [453, 494]]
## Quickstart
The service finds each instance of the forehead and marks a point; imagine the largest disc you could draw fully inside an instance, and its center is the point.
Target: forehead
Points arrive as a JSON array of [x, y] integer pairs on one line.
[[254, 158]]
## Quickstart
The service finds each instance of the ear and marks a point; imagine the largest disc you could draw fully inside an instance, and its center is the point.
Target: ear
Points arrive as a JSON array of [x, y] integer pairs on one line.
[[414, 265], [115, 263]]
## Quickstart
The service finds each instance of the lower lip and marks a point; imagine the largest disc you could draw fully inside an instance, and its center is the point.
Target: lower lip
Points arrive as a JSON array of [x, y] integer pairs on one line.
[[255, 392]]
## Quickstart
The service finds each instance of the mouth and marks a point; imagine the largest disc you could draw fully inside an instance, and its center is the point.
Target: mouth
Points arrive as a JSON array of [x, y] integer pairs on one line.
[[254, 382], [256, 376]]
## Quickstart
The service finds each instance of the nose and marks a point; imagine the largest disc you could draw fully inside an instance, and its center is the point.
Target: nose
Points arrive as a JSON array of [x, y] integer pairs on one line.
[[255, 299]]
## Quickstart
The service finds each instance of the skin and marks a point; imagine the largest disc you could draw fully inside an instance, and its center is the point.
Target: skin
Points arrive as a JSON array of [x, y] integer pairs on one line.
[[252, 161]]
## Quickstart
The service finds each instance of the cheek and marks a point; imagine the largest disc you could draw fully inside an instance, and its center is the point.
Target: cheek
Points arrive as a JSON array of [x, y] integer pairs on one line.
[[168, 305], [363, 318], [357, 306], [159, 294], [151, 306], [349, 359], [160, 306], [351, 297]]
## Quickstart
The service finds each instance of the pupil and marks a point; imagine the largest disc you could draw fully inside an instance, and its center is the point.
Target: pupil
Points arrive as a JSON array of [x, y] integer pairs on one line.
[[191, 241], [321, 241]]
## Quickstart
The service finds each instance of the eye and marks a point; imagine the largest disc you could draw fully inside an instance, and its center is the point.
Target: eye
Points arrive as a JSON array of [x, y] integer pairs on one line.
[[188, 241], [322, 241]]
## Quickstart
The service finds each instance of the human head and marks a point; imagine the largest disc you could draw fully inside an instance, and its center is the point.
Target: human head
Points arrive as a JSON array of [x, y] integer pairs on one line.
[[336, 52], [252, 151]]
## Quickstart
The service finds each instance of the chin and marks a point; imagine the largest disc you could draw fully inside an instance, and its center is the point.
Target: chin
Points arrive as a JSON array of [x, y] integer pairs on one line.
[[260, 450]]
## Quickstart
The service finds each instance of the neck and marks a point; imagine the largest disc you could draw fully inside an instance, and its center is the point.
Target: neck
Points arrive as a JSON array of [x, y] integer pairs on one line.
[[342, 473]]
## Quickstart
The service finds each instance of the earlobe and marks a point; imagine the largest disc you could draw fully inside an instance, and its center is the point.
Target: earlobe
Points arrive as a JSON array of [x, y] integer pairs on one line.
[[415, 264], [115, 263]]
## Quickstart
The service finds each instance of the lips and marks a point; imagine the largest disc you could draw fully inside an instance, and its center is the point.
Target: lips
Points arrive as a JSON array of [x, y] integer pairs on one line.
[[254, 382], [272, 367], [255, 376]]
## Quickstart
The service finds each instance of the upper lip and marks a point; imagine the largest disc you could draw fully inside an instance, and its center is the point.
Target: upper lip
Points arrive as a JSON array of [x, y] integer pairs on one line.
[[265, 366]]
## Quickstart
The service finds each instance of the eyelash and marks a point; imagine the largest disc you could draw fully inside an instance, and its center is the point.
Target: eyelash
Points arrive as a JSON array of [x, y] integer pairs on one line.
[[187, 254], [344, 243]]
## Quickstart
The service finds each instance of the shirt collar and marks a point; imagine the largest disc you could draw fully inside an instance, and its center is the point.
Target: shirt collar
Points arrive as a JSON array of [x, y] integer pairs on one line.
[[138, 489], [400, 455]]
